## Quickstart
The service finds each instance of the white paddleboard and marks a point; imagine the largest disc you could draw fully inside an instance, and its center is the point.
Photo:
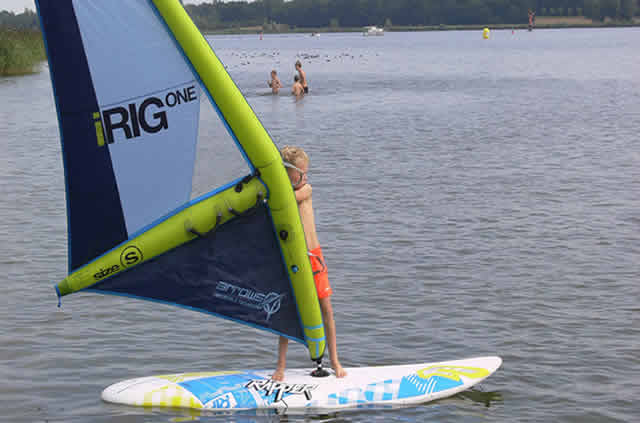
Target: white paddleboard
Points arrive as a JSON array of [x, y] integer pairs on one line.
[[369, 387]]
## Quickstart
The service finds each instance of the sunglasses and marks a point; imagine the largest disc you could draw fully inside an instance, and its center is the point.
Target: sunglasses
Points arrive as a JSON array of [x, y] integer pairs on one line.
[[301, 173]]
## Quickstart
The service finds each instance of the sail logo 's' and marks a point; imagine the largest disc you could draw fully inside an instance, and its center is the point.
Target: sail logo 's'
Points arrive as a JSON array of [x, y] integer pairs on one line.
[[148, 116], [268, 387], [269, 303], [130, 256]]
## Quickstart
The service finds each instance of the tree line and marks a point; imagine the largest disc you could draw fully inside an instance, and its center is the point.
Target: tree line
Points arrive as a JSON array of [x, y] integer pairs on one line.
[[26, 20], [358, 13], [217, 14]]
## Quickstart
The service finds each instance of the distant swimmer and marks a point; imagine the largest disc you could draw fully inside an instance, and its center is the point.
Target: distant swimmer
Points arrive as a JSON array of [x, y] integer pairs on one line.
[[297, 89], [274, 83], [303, 77], [532, 19]]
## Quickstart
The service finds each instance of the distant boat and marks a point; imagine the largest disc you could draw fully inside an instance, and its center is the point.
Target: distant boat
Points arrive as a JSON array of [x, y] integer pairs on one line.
[[372, 30]]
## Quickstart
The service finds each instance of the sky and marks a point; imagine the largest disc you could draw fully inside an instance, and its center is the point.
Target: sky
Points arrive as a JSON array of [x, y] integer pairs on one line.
[[18, 6]]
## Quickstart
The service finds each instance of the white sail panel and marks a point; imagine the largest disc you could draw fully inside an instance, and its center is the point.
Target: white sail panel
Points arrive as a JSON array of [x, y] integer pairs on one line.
[[149, 103]]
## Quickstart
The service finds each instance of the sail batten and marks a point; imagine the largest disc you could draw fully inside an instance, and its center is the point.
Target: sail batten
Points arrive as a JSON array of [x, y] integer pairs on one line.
[[129, 131]]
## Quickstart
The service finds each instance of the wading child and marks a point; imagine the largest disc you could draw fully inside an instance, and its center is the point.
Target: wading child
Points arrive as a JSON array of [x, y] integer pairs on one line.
[[274, 83], [297, 89], [297, 163], [303, 77]]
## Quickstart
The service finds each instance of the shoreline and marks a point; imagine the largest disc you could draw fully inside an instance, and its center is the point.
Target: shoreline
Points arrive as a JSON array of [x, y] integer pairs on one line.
[[14, 61], [542, 22]]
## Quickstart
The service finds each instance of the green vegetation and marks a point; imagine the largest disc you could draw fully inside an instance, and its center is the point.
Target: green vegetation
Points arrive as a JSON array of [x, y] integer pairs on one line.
[[20, 51], [21, 46], [281, 15]]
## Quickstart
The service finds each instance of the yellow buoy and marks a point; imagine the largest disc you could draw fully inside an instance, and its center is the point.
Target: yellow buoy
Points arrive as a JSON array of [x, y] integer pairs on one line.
[[485, 33]]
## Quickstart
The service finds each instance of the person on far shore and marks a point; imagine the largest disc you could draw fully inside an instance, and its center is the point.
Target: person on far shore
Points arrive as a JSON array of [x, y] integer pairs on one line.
[[275, 83], [303, 77], [297, 89]]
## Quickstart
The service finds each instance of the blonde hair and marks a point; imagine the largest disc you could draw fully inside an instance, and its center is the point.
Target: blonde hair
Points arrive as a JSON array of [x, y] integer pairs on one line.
[[293, 154]]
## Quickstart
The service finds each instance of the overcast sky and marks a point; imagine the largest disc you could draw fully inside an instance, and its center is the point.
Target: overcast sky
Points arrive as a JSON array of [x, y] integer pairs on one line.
[[18, 6]]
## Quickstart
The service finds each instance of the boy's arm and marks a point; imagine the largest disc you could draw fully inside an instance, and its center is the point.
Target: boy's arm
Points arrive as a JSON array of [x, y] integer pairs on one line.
[[304, 193]]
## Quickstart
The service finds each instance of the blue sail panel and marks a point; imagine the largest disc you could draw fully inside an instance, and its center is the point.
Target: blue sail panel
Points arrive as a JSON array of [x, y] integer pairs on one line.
[[95, 217], [236, 272]]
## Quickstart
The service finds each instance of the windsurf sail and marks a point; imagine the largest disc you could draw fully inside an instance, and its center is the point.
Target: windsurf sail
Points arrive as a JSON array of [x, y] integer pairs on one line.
[[128, 77]]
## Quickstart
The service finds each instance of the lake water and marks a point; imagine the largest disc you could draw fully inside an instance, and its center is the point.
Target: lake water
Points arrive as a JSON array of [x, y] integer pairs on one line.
[[473, 198]]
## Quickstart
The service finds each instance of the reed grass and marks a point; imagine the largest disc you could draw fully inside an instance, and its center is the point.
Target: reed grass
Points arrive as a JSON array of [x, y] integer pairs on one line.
[[20, 51]]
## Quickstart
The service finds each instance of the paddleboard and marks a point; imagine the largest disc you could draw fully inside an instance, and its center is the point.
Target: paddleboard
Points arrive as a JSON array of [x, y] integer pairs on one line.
[[363, 387]]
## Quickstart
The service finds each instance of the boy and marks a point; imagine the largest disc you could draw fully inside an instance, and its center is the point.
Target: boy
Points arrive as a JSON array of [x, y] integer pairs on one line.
[[297, 89], [297, 163], [303, 77], [274, 83]]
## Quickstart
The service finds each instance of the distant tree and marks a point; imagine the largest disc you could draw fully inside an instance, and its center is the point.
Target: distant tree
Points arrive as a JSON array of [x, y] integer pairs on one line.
[[609, 8], [596, 11], [628, 9], [25, 20], [587, 8]]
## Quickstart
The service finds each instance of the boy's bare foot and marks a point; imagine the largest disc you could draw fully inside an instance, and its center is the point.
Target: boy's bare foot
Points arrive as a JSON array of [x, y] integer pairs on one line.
[[340, 372], [278, 375]]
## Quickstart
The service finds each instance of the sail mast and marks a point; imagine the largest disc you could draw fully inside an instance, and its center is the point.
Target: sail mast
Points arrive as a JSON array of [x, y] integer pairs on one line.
[[264, 155]]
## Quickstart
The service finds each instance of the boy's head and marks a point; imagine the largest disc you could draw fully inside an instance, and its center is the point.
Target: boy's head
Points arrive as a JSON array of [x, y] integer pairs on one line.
[[298, 64], [274, 73], [296, 162], [296, 78]]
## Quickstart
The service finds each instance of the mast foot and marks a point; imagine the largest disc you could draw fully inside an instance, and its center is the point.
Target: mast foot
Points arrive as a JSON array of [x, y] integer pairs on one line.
[[320, 371]]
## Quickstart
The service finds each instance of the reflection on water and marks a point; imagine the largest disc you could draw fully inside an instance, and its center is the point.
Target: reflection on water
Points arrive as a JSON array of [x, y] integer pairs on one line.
[[488, 399]]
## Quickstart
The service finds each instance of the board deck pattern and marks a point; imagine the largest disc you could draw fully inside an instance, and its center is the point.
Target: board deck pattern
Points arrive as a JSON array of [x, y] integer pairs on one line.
[[380, 387]]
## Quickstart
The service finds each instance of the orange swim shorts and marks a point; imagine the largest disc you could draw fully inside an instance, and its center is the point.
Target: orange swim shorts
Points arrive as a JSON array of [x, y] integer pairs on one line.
[[320, 274]]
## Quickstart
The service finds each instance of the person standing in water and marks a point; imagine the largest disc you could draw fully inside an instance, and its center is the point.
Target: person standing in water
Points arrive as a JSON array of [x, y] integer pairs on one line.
[[532, 19], [302, 76], [274, 83], [297, 89]]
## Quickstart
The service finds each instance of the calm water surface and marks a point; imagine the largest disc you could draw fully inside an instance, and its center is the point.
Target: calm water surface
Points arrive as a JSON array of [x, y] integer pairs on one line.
[[473, 198]]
